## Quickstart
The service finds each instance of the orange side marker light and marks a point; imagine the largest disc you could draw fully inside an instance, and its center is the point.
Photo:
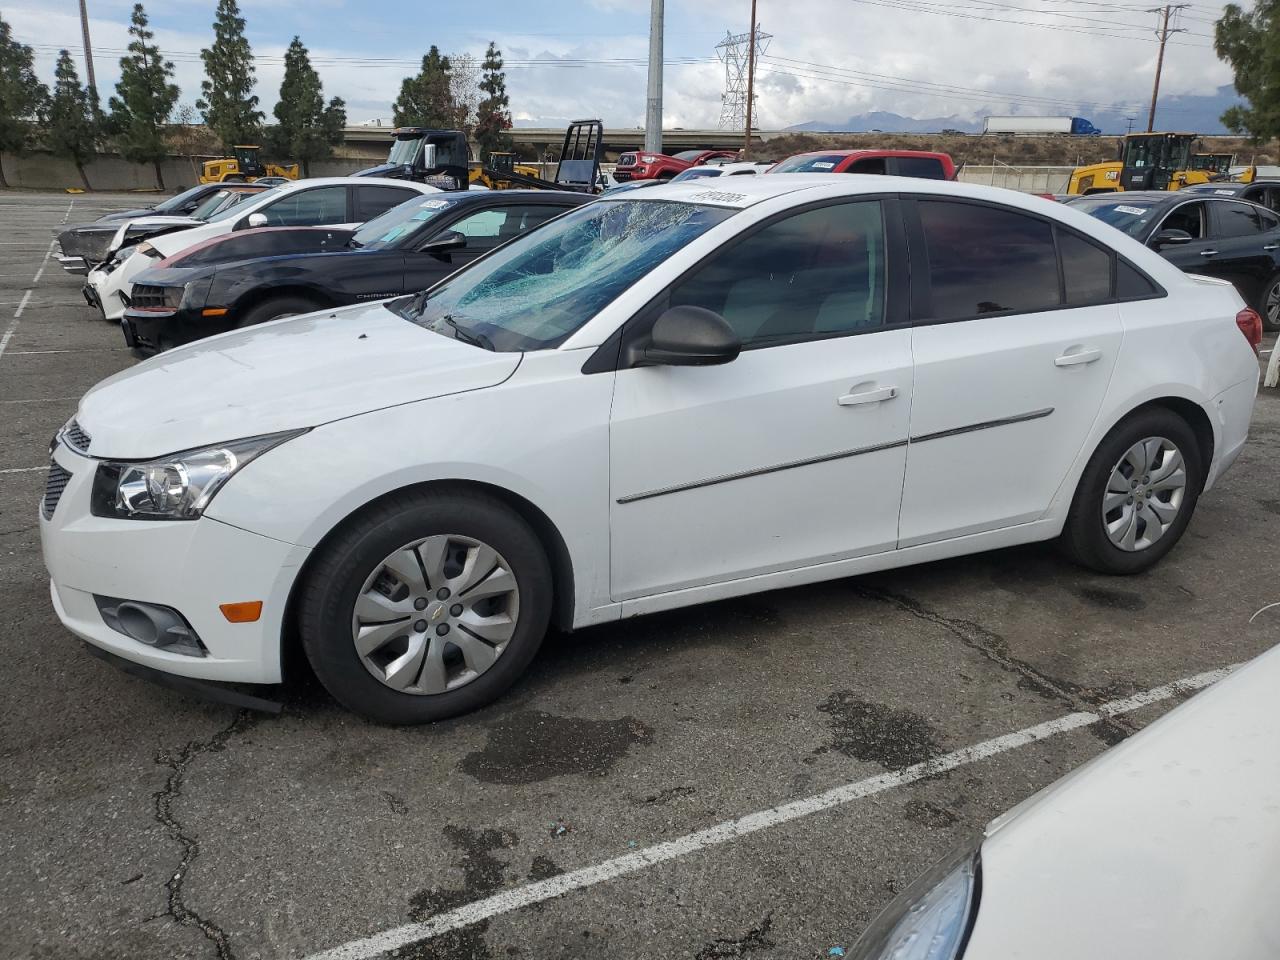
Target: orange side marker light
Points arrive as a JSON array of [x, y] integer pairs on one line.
[[246, 612]]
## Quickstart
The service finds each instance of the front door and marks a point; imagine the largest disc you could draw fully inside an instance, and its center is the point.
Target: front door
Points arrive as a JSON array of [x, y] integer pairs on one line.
[[1011, 365], [793, 453]]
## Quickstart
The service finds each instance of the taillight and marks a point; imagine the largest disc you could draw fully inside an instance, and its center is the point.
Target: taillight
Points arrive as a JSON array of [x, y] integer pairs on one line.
[[1250, 323]]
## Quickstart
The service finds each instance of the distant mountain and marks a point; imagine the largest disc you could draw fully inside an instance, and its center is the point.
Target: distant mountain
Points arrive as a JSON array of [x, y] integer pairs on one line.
[[1198, 114]]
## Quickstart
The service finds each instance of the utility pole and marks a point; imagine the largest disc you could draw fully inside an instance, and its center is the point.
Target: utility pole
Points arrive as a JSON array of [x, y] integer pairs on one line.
[[88, 50], [751, 82], [653, 107], [1130, 130], [1164, 31]]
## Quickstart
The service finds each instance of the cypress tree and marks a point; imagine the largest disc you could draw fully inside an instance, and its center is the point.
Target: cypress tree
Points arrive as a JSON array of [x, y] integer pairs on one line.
[[227, 102], [425, 99], [22, 96], [71, 118], [306, 128], [493, 116], [146, 98]]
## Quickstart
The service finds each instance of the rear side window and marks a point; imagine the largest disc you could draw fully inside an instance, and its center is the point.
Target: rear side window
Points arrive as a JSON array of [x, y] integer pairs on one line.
[[985, 260], [1269, 220], [1236, 220], [1086, 270], [1132, 285], [374, 201], [813, 275], [930, 168]]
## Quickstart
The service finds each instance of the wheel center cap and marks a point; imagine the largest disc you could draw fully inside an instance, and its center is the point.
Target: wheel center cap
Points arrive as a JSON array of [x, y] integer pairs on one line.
[[436, 612]]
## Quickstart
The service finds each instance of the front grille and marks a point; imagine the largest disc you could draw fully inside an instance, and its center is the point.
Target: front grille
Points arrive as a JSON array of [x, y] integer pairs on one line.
[[53, 487], [76, 438], [145, 297]]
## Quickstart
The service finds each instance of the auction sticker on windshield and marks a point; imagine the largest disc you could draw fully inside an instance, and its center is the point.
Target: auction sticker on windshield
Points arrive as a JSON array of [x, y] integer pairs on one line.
[[1135, 211]]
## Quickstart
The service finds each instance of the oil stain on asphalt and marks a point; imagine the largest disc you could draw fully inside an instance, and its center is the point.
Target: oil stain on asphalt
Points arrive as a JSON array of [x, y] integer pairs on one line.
[[529, 746], [896, 739]]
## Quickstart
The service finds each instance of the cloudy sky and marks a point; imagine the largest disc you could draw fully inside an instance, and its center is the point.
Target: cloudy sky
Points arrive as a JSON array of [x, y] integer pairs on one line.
[[828, 59]]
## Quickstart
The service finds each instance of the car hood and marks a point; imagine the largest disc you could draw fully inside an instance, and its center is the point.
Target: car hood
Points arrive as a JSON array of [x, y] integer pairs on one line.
[[1164, 846], [299, 372]]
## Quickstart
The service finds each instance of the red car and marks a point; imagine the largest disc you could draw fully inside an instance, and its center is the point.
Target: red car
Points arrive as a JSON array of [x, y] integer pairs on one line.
[[642, 165], [899, 163]]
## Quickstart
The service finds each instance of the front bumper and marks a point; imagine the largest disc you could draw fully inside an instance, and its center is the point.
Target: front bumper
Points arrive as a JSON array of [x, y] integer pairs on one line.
[[150, 331], [191, 566], [76, 266]]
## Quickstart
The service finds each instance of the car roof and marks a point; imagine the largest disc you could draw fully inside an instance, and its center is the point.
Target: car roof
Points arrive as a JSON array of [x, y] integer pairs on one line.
[[355, 181], [867, 151], [531, 193]]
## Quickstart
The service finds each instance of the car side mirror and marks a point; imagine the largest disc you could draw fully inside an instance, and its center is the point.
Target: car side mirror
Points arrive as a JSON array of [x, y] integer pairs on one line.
[[445, 243], [428, 159], [688, 336], [254, 220], [1170, 238]]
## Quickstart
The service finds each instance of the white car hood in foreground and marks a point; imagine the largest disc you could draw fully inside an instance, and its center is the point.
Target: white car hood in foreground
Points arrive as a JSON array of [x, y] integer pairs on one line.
[[299, 372], [1166, 846]]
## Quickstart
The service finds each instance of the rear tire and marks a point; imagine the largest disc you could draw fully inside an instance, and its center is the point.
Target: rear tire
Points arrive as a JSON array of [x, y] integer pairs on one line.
[[356, 592], [1137, 494], [276, 309], [1269, 304]]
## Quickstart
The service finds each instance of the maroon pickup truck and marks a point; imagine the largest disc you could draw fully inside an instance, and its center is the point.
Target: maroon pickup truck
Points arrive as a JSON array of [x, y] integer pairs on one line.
[[642, 165]]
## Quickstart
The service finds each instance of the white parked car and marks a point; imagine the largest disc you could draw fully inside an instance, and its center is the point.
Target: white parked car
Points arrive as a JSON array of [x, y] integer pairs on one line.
[[322, 201], [691, 392], [1164, 846]]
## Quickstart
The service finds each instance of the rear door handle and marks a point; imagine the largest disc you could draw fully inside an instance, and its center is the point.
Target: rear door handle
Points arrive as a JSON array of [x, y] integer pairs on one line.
[[1208, 253], [1271, 246], [1070, 359], [867, 396]]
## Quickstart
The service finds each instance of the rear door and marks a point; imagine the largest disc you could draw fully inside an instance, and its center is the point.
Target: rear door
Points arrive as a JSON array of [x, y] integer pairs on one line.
[[1200, 254], [1238, 241], [1012, 360]]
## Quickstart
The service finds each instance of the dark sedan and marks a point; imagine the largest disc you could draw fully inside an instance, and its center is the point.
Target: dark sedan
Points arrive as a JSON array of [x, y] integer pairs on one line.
[[241, 280], [84, 245], [1215, 236], [1265, 192]]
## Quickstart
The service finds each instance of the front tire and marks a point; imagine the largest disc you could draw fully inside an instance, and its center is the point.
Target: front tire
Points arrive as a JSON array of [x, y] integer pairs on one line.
[[277, 308], [1137, 494], [1269, 304], [426, 606]]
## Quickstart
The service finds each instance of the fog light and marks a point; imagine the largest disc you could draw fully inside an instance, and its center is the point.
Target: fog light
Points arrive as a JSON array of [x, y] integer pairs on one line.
[[151, 624]]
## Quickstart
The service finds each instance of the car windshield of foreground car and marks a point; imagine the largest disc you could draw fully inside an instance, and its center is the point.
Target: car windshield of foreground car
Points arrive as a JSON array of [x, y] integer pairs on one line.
[[1132, 216], [387, 231], [536, 291], [220, 201], [176, 203], [234, 209], [810, 163]]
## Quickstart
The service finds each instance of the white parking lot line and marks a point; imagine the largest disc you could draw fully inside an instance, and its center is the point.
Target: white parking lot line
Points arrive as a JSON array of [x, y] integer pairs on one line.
[[21, 469], [730, 830], [42, 400], [22, 304]]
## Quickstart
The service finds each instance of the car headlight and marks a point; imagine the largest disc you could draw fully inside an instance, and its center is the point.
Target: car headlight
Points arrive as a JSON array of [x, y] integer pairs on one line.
[[177, 487], [932, 918]]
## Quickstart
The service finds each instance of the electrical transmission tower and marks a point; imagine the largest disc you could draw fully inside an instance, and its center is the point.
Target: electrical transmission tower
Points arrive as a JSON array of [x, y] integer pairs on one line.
[[734, 52]]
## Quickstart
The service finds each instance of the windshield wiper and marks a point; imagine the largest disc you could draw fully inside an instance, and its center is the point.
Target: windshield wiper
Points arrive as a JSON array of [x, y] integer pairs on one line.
[[468, 336]]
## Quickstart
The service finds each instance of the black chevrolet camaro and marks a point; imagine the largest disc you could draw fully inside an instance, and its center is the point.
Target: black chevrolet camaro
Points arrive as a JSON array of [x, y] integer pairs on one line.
[[253, 276], [1216, 236]]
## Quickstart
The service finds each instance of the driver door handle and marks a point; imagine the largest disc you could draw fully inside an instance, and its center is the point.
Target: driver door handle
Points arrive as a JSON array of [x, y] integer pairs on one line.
[[1081, 356], [867, 396], [1271, 246], [1208, 253]]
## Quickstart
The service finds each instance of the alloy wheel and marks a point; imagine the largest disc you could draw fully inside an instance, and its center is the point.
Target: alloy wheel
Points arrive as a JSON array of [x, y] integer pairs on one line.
[[435, 614], [1272, 305], [1144, 493]]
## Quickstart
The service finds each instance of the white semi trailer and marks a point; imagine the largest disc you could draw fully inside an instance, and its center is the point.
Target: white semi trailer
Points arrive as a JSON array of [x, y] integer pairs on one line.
[[1077, 126]]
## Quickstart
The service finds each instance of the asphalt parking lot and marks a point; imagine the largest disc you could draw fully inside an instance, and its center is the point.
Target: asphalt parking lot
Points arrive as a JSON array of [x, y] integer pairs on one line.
[[753, 778]]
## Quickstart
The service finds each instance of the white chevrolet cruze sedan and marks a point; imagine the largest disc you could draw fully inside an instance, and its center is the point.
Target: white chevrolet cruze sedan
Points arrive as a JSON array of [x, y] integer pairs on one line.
[[685, 394]]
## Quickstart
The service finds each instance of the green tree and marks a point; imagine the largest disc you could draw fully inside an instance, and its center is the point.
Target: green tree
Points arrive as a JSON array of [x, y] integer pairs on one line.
[[22, 96], [426, 99], [71, 119], [1250, 42], [227, 102], [306, 129], [493, 116], [146, 98]]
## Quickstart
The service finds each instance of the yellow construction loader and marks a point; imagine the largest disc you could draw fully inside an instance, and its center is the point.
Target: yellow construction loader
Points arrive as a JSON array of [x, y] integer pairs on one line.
[[245, 167], [1152, 161]]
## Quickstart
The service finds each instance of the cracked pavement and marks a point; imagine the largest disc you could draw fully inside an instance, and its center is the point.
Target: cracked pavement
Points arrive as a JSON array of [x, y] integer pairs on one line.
[[137, 823]]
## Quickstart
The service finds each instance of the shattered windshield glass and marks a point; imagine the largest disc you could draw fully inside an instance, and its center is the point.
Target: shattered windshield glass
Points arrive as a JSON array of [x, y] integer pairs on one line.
[[536, 291]]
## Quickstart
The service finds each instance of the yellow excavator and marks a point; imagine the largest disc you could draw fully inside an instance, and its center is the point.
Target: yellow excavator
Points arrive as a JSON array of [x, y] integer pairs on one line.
[[245, 167], [1152, 161]]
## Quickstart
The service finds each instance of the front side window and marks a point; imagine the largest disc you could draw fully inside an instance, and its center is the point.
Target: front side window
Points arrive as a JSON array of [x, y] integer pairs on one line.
[[1189, 217], [874, 165], [1236, 220], [814, 275], [301, 208], [489, 228], [533, 293], [986, 260]]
